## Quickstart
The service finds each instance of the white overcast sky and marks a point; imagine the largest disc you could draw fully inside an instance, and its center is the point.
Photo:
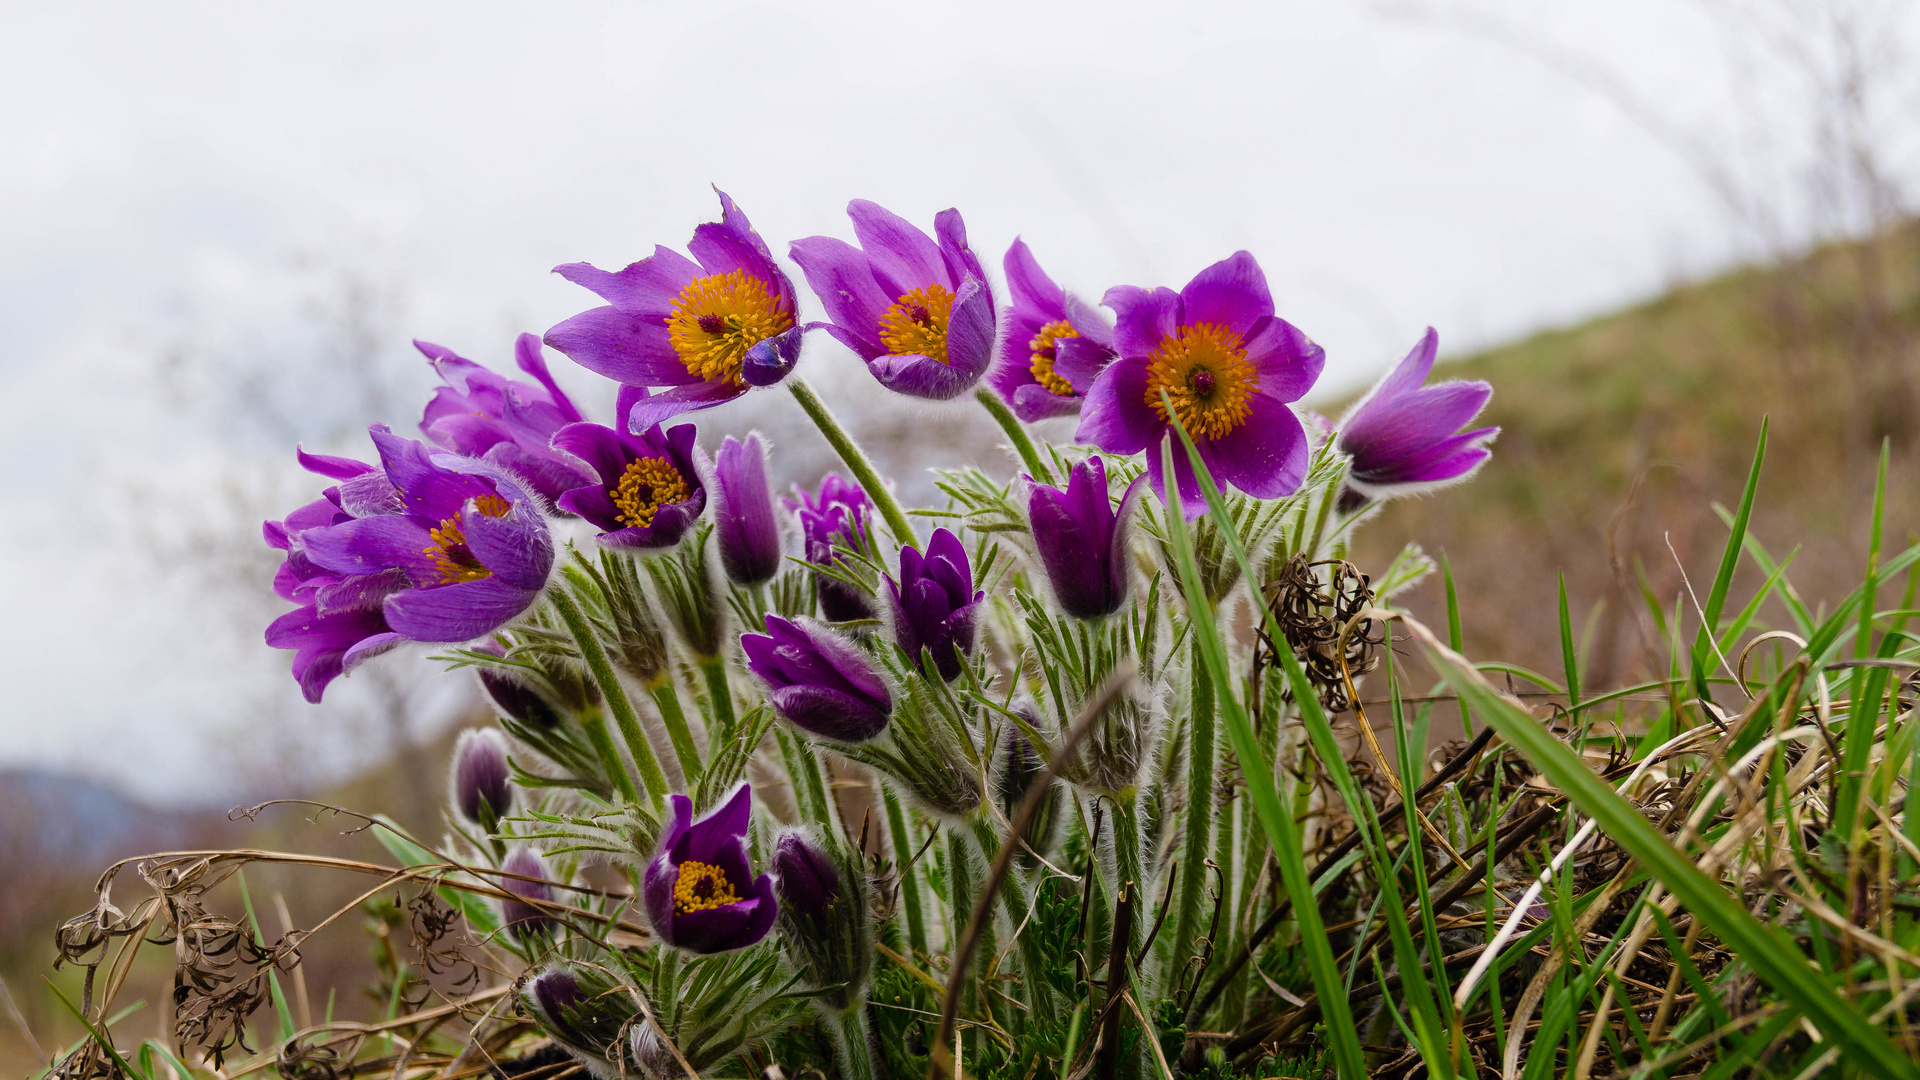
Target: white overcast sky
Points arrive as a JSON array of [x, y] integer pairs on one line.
[[169, 158]]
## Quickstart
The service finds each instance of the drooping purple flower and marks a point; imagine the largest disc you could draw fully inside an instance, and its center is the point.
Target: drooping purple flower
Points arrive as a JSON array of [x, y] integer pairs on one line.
[[916, 309], [707, 330], [934, 603], [1082, 539], [837, 515], [1405, 438], [818, 681], [743, 512], [454, 547], [505, 421], [1230, 368], [700, 891], [524, 875], [482, 787], [1054, 344], [649, 490]]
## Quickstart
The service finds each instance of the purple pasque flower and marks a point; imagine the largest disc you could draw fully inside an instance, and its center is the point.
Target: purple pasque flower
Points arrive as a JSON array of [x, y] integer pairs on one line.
[[818, 681], [1230, 368], [1082, 539], [700, 892], [706, 329], [504, 421], [482, 779], [743, 512], [916, 309], [454, 547], [805, 880], [649, 490], [934, 603], [524, 876], [836, 515], [1053, 346], [1406, 438]]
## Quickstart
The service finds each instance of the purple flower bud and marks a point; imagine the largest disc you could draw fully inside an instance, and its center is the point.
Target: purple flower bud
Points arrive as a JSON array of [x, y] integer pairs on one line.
[[818, 681], [805, 881], [700, 891], [513, 697], [521, 918], [934, 603], [1406, 438], [837, 515], [481, 791], [1083, 540], [743, 511], [825, 927], [558, 1002]]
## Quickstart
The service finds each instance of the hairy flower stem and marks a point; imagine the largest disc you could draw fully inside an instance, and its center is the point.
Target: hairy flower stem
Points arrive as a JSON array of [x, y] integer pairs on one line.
[[1188, 910], [852, 1046], [960, 890], [721, 694], [854, 458], [1015, 898], [1016, 434], [652, 780], [903, 850], [1128, 877], [809, 792], [674, 718], [595, 724]]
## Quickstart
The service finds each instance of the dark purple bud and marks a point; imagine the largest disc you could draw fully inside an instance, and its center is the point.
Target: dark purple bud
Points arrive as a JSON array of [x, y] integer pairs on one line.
[[819, 681], [481, 788], [743, 513], [837, 515], [700, 891], [934, 603], [525, 863], [1082, 540], [559, 1002], [804, 879], [514, 697], [1020, 768]]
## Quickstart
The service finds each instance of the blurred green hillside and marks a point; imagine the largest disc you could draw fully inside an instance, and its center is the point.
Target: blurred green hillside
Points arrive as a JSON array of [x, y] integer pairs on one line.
[[1619, 435]]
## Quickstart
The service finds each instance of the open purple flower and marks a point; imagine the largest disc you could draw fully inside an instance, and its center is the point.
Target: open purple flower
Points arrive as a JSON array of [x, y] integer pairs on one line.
[[524, 875], [934, 603], [837, 515], [743, 512], [1082, 539], [707, 330], [1054, 346], [510, 423], [818, 681], [649, 491], [1406, 438], [454, 547], [700, 892], [917, 311], [1230, 368]]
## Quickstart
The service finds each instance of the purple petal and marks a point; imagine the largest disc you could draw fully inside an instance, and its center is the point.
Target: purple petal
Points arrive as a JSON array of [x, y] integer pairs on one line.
[[371, 545], [516, 549], [829, 713], [1080, 360], [1033, 403], [660, 408], [1029, 287], [1230, 293], [901, 256], [842, 278], [622, 346], [335, 468], [458, 612], [647, 287], [1116, 417], [600, 447], [1091, 323], [970, 329], [1288, 361], [1266, 456], [950, 231], [528, 355], [1142, 319]]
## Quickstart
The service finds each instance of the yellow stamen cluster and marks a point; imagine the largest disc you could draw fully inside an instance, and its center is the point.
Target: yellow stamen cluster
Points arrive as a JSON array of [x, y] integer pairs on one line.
[[701, 886], [646, 486], [717, 319], [1204, 369], [451, 555], [916, 324], [1044, 348]]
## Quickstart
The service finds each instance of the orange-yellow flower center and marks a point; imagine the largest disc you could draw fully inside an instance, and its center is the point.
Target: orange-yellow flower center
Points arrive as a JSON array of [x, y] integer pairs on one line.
[[1045, 349], [451, 556], [717, 319], [916, 324], [702, 886], [648, 484], [1204, 369]]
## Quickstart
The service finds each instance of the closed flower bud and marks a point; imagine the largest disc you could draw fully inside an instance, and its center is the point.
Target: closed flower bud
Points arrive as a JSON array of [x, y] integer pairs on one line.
[[525, 875], [482, 792], [518, 700], [824, 923], [749, 532], [651, 1052], [935, 604], [818, 681], [1082, 540], [694, 604], [1020, 769]]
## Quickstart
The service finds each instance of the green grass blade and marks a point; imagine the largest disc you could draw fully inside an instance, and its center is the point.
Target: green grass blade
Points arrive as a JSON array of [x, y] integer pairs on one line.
[[1703, 652], [1569, 656]]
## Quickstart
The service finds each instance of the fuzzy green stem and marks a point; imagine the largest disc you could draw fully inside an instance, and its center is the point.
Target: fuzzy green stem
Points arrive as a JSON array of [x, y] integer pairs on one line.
[[851, 1046], [595, 725], [720, 694], [1016, 899], [1126, 856], [809, 793], [652, 779], [910, 877], [674, 718], [960, 886], [854, 458], [1196, 842], [1016, 434]]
